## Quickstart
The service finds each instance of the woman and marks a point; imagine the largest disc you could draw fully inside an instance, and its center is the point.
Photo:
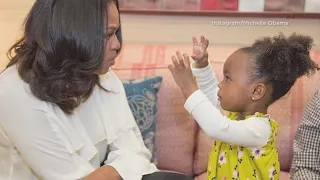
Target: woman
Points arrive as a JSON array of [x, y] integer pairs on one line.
[[62, 109]]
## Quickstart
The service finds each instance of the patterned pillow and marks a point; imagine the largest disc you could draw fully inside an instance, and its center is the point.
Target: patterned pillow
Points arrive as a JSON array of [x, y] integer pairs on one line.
[[142, 98]]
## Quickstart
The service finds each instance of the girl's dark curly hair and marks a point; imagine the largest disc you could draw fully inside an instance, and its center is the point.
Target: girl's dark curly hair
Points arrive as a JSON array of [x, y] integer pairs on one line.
[[63, 45], [280, 61]]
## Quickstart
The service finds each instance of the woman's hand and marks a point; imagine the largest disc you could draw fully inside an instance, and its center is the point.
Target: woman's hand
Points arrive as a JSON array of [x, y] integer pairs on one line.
[[200, 54], [104, 173], [182, 74]]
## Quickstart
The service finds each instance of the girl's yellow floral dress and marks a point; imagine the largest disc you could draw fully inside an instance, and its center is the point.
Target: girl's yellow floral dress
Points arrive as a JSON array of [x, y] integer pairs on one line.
[[232, 162]]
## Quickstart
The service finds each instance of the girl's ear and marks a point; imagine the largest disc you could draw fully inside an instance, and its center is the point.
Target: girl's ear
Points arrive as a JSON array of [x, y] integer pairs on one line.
[[259, 91]]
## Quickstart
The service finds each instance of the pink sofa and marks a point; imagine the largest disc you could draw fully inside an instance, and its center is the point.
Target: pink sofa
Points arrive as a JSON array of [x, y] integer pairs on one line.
[[181, 144]]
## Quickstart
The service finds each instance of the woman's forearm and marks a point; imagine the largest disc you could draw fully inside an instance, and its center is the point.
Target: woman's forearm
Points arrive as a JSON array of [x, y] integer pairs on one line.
[[104, 173]]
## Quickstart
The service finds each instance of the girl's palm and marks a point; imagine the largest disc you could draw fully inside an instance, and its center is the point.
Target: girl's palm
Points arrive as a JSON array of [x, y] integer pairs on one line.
[[200, 49]]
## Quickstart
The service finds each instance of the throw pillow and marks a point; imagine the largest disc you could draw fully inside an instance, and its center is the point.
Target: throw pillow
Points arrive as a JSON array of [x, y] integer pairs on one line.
[[142, 98]]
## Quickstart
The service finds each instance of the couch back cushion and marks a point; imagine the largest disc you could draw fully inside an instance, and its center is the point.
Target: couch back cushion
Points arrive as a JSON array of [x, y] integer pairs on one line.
[[175, 129], [287, 111], [142, 98]]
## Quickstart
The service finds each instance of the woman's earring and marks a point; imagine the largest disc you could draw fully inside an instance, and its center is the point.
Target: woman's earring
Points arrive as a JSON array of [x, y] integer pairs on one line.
[[252, 98]]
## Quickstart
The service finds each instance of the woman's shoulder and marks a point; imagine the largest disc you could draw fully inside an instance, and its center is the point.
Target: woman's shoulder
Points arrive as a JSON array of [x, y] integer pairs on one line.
[[14, 92], [9, 76], [111, 82], [11, 83]]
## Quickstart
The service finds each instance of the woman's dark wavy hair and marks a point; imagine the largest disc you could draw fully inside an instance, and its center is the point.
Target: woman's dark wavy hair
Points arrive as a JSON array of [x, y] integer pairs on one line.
[[62, 46], [281, 60]]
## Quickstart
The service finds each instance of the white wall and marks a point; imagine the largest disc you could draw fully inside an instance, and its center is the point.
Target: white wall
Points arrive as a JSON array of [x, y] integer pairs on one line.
[[164, 29], [179, 29]]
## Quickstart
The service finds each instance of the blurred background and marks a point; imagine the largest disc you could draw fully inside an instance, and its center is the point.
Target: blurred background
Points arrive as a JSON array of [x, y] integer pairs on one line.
[[225, 5]]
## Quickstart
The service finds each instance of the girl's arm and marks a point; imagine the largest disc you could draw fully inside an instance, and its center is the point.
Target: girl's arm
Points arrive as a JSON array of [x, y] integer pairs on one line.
[[253, 132], [207, 82]]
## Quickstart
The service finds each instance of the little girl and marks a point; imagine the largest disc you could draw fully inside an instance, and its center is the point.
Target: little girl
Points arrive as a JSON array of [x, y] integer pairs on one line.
[[254, 78]]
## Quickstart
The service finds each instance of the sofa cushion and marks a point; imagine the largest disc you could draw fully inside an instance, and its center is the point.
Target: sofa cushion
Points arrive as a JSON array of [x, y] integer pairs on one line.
[[287, 111], [142, 98]]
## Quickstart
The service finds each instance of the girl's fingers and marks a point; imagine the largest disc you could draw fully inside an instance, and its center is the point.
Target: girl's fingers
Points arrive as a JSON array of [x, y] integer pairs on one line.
[[202, 39], [180, 58], [195, 41], [205, 43], [171, 68], [186, 60], [174, 61]]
